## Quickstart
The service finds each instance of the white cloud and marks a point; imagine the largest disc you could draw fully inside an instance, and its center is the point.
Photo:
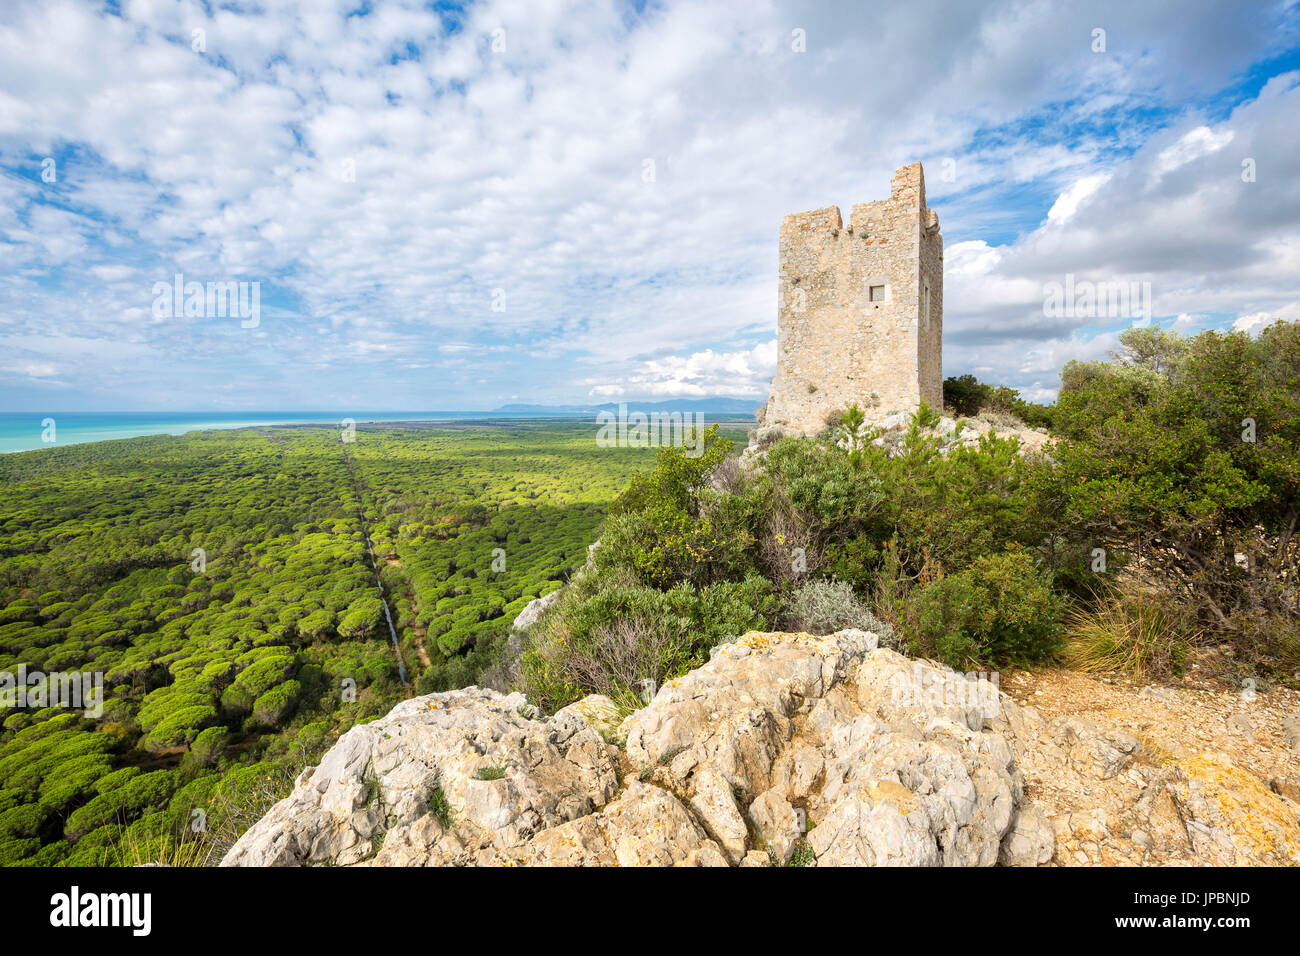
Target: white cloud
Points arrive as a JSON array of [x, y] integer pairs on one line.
[[1068, 203], [33, 370], [1198, 142], [1210, 244], [700, 374], [1254, 322], [522, 171]]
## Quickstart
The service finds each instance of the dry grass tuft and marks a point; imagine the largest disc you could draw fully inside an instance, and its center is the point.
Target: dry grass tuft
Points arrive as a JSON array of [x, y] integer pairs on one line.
[[1127, 633]]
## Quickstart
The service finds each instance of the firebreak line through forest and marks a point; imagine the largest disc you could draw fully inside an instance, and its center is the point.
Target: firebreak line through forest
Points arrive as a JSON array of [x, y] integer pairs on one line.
[[383, 595]]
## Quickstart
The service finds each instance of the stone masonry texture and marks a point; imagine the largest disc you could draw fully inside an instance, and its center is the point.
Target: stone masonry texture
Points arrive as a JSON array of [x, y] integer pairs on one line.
[[837, 342]]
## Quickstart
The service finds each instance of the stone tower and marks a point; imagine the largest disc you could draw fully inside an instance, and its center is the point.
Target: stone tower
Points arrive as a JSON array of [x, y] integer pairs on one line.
[[860, 316]]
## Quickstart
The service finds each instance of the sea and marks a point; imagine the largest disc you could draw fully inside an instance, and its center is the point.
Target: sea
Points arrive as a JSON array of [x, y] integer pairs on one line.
[[27, 431]]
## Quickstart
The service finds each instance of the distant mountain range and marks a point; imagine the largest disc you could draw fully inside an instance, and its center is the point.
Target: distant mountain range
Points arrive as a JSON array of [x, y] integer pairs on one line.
[[707, 406]]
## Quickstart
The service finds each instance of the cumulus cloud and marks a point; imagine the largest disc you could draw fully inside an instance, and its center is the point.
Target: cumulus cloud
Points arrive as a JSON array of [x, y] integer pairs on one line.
[[538, 201], [1068, 203], [1250, 324], [700, 374], [1178, 214]]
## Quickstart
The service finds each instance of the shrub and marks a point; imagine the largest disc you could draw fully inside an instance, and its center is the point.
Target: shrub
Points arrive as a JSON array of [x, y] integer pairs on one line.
[[146, 792], [209, 745], [1001, 610], [179, 727], [276, 704], [964, 395], [1187, 455], [610, 635], [968, 397], [766, 435], [441, 808], [825, 484], [926, 417], [811, 496], [851, 432], [22, 821], [242, 798], [826, 606], [658, 529], [362, 617]]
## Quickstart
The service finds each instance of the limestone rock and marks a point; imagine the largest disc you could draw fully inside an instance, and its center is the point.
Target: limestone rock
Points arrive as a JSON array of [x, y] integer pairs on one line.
[[1238, 724], [776, 824], [533, 610], [1103, 753], [1157, 693], [596, 711], [797, 770], [1031, 841], [502, 775], [1288, 787], [1232, 817], [733, 714], [715, 805], [1291, 731], [649, 826], [829, 748]]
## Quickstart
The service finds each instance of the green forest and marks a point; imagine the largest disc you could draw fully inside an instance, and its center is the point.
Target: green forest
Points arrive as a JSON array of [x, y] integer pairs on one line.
[[221, 583]]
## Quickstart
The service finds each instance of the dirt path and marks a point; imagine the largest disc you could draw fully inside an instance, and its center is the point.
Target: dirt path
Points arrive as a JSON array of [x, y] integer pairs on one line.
[[1202, 740], [1181, 717], [418, 634]]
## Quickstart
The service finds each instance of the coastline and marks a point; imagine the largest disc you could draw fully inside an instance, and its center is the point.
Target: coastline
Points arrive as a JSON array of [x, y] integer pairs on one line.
[[170, 426]]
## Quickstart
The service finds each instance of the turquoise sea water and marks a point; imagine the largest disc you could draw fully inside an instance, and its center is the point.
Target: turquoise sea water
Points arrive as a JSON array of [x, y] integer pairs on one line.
[[23, 431]]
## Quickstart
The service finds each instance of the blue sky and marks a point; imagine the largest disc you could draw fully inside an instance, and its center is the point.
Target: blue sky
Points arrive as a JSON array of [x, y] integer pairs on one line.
[[463, 206]]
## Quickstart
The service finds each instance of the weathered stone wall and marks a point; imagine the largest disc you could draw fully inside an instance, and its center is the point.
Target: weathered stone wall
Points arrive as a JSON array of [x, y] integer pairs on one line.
[[836, 344]]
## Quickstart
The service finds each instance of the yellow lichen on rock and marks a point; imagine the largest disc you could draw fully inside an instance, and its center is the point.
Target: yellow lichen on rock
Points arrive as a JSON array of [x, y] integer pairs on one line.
[[1263, 826]]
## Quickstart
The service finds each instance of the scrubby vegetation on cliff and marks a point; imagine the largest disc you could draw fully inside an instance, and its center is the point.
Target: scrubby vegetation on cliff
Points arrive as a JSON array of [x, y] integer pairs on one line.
[[1172, 482]]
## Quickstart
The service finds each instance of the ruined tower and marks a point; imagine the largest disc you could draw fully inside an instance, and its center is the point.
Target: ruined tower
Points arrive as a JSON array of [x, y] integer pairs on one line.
[[860, 315]]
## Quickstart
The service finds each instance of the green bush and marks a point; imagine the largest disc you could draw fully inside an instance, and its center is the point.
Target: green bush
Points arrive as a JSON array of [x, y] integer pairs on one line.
[[362, 617], [941, 507], [610, 635], [658, 530], [947, 508], [1001, 610], [276, 704], [209, 745], [825, 606], [143, 793], [179, 727], [1187, 453], [966, 396]]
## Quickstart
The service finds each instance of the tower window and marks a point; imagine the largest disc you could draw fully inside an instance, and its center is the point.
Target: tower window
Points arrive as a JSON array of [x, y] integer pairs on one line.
[[876, 293]]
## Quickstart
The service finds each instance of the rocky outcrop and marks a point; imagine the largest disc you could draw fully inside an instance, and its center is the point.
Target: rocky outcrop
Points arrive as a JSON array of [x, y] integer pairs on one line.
[[436, 780], [783, 748], [780, 741], [533, 611]]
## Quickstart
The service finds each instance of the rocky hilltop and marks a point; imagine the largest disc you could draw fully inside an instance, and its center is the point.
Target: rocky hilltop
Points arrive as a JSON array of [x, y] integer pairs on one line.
[[783, 748]]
